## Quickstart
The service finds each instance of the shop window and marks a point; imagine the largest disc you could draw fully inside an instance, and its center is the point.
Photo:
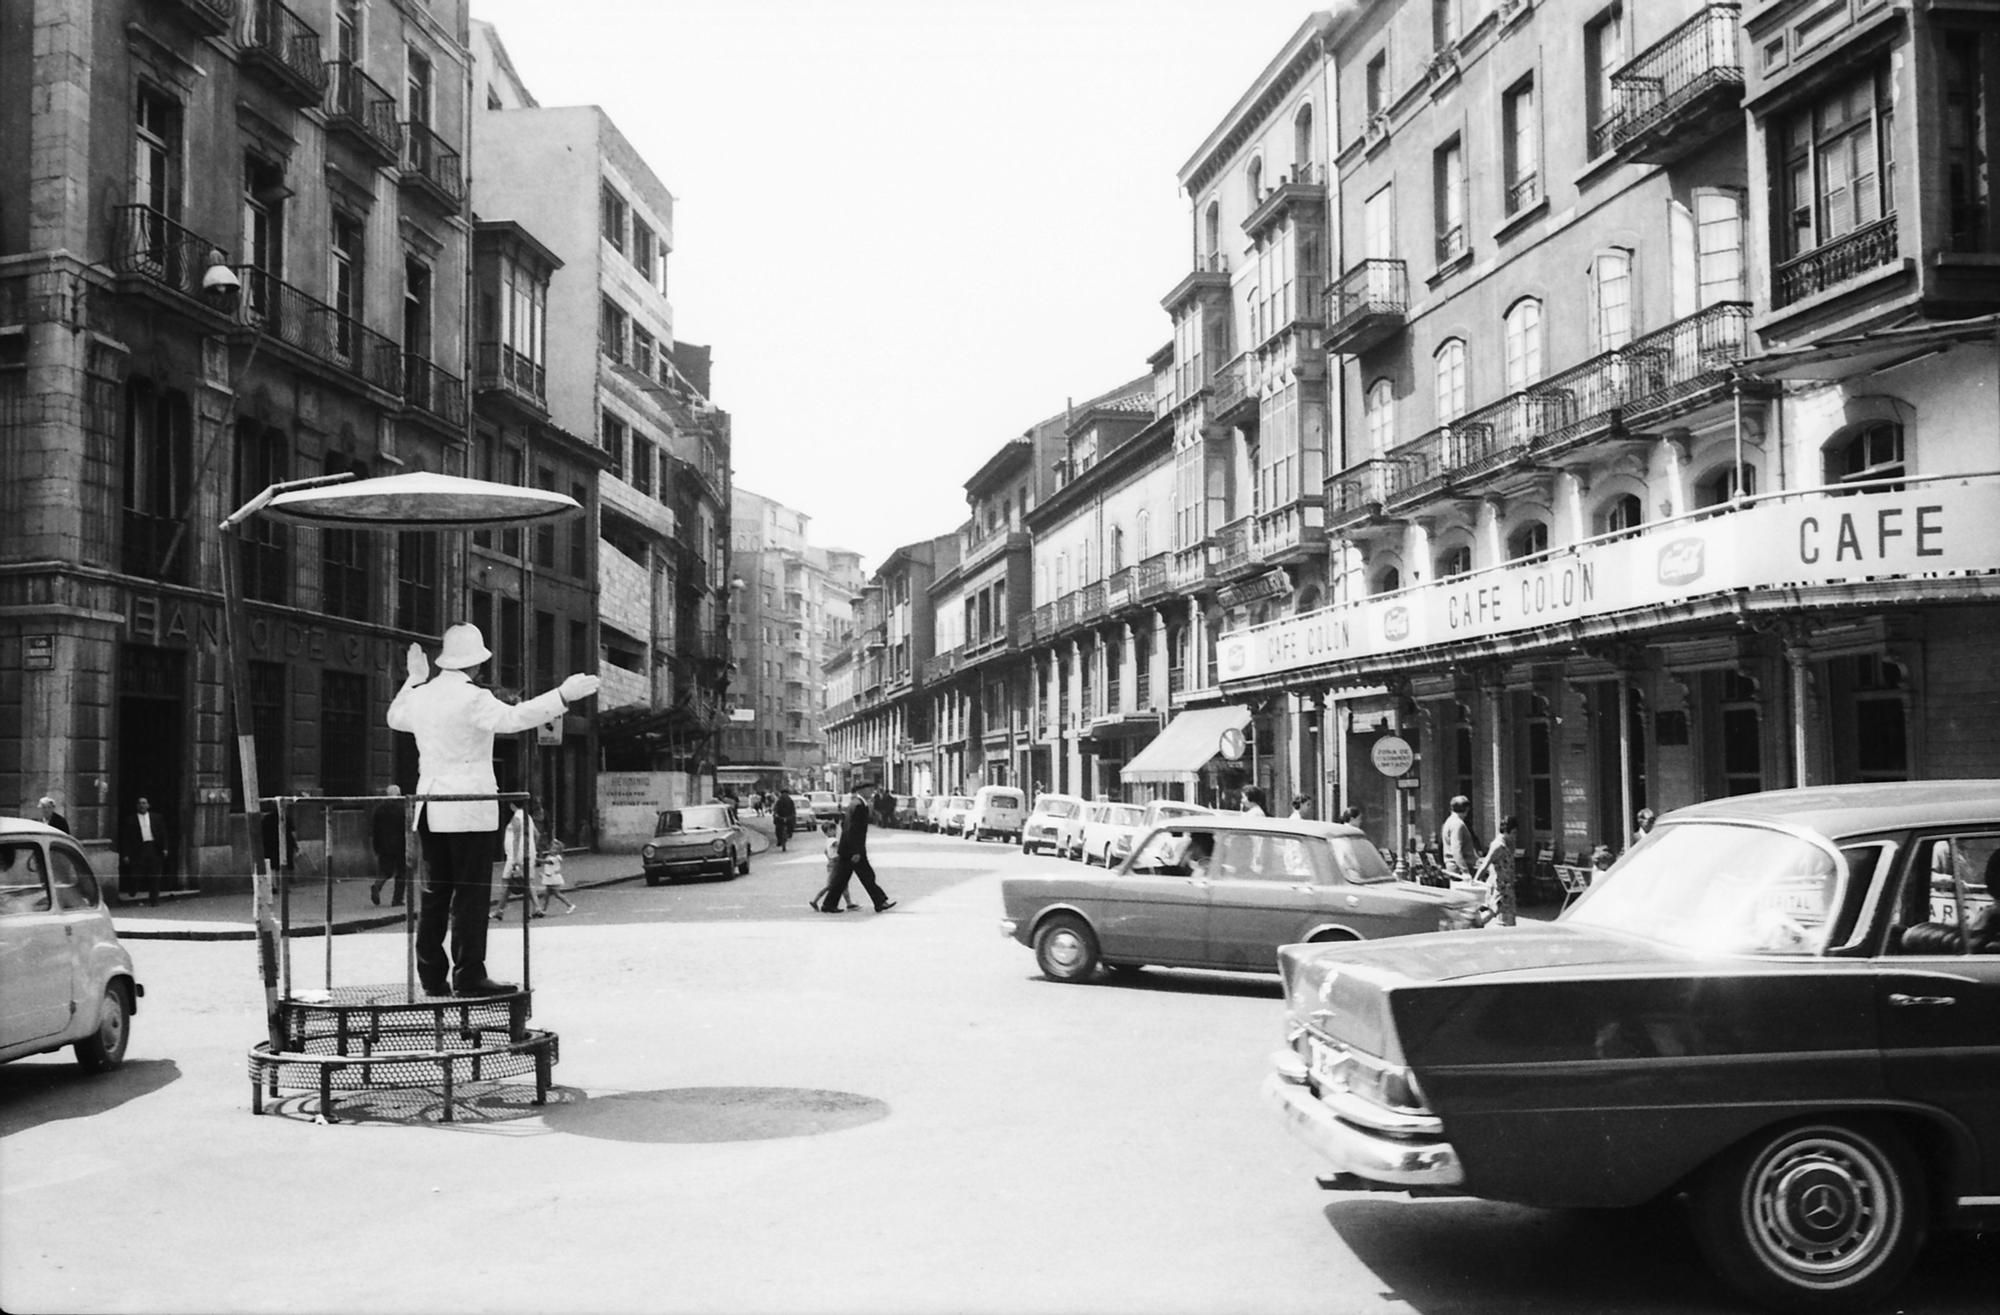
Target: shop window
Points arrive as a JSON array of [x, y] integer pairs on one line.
[[1741, 724], [1869, 696]]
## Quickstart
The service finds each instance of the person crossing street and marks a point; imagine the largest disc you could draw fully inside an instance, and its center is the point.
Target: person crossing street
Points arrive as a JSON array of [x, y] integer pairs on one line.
[[851, 857]]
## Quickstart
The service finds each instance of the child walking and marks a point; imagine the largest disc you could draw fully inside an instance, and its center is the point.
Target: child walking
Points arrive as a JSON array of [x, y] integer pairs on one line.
[[548, 881]]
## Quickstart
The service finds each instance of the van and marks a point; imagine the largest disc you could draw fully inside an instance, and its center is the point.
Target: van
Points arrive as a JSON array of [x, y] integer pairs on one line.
[[997, 810]]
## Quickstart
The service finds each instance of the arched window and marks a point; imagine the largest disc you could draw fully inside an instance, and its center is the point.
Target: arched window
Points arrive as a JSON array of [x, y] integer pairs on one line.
[[1718, 486], [1302, 144], [1530, 540], [1870, 451], [1611, 298], [1386, 581], [1117, 547], [1380, 407], [1211, 237], [1524, 343], [1062, 574], [1142, 535], [1455, 560], [1621, 515], [1450, 375], [1253, 178]]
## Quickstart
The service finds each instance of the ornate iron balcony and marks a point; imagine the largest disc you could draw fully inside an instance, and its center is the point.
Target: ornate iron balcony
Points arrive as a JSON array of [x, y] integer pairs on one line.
[[1366, 305], [359, 107], [285, 46], [431, 166], [503, 367], [1677, 93], [287, 315], [157, 249], [434, 391], [1868, 247]]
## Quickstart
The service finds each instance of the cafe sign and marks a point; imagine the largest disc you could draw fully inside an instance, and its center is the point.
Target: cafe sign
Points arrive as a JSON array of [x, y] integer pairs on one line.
[[1784, 541]]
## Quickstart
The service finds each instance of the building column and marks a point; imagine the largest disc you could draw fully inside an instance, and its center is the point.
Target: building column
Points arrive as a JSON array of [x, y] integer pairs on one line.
[[1072, 749], [1198, 639], [1128, 671]]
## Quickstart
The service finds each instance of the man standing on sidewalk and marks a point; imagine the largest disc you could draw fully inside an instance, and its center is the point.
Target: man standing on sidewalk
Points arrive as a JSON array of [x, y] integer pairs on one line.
[[851, 857], [391, 838]]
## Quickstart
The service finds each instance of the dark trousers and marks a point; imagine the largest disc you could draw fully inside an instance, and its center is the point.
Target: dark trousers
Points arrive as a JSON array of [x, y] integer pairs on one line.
[[391, 866], [844, 866], [146, 864], [458, 885]]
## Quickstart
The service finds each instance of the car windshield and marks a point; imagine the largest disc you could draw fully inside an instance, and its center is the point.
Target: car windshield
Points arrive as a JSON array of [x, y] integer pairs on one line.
[[1720, 887], [1056, 807], [1124, 815], [702, 817], [959, 801]]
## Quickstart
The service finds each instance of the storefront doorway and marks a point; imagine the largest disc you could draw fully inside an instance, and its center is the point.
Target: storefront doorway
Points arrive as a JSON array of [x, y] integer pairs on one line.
[[152, 746]]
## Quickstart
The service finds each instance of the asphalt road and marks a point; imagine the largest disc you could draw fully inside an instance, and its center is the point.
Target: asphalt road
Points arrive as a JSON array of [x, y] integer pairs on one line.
[[760, 1108]]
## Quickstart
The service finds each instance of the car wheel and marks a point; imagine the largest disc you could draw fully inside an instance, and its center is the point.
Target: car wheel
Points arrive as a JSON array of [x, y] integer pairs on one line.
[[1066, 949], [743, 867], [1826, 1216], [104, 1049]]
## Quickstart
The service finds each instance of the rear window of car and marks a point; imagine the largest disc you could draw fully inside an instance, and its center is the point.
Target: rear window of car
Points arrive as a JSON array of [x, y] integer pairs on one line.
[[1003, 799], [959, 801], [23, 881], [1056, 807], [704, 817], [1124, 815]]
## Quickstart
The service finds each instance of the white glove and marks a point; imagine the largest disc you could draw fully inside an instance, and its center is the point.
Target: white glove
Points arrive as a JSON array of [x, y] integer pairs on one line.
[[578, 687], [419, 665]]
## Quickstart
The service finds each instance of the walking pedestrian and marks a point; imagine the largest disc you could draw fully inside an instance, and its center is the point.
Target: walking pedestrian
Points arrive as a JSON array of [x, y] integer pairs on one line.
[[50, 817], [390, 835], [784, 818], [1643, 825], [1253, 801], [520, 846], [1303, 808], [851, 857], [1498, 868], [142, 850], [818, 901], [1461, 848], [455, 721]]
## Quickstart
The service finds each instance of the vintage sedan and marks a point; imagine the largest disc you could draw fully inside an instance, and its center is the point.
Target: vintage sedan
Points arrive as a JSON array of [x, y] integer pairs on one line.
[[1782, 1008], [1044, 827], [65, 980], [694, 841], [1225, 892], [1108, 832]]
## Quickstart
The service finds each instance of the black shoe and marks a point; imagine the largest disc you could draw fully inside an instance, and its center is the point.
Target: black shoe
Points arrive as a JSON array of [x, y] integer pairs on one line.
[[885, 906], [433, 988], [374, 894], [485, 986]]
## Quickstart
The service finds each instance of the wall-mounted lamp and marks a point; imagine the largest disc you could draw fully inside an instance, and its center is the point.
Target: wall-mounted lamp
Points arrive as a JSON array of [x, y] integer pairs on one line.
[[219, 283]]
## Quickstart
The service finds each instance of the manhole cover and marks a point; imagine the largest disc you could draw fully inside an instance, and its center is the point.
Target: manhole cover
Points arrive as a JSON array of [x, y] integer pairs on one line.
[[716, 1114]]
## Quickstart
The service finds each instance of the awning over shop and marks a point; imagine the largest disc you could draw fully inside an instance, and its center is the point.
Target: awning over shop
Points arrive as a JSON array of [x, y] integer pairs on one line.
[[1863, 353], [1187, 743]]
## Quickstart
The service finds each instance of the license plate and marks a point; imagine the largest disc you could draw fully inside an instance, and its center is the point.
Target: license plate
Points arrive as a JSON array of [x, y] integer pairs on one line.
[[1326, 1062]]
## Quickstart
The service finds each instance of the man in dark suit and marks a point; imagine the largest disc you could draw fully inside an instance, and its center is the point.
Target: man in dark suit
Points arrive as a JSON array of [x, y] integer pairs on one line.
[[142, 850], [50, 816], [851, 857], [390, 836]]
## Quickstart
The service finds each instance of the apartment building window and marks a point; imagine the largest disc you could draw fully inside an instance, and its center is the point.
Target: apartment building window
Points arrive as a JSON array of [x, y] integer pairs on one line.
[[644, 353], [1611, 299], [524, 311], [1190, 526], [1444, 24], [264, 194], [1971, 69], [268, 724], [343, 559], [1448, 201], [1624, 514], [514, 471], [156, 166], [347, 30], [1380, 411], [642, 464], [1253, 182], [1449, 372], [1455, 560], [1386, 580], [1718, 239], [1870, 452], [507, 645], [614, 331], [1378, 224], [1530, 540], [417, 581], [1524, 343], [264, 546], [644, 248], [1603, 53], [1302, 143], [1521, 130], [418, 97], [545, 531], [1377, 83], [345, 254], [343, 733], [1117, 548], [1276, 454], [613, 216], [1837, 170], [579, 534], [1211, 229], [1142, 535], [580, 656], [614, 432]]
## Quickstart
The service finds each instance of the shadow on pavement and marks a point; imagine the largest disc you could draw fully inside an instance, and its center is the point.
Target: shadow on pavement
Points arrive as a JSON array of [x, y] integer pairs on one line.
[[716, 1114], [32, 1094]]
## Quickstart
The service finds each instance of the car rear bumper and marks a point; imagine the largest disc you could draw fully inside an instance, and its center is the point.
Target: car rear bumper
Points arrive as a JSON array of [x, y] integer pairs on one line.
[[1362, 1159], [707, 863]]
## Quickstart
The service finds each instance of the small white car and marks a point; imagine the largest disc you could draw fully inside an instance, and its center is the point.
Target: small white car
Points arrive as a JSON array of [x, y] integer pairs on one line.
[[1043, 829], [1069, 837], [998, 811], [65, 980], [1109, 832], [952, 814]]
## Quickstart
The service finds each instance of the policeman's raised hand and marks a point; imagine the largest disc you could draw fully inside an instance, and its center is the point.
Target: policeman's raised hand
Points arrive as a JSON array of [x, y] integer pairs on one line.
[[419, 665], [578, 687]]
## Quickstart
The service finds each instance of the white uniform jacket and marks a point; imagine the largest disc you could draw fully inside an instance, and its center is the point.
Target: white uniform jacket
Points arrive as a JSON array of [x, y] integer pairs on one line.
[[455, 721]]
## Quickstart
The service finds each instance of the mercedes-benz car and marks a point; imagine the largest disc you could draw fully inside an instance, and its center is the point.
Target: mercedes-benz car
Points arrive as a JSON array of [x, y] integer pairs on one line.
[[1780, 1008], [694, 841]]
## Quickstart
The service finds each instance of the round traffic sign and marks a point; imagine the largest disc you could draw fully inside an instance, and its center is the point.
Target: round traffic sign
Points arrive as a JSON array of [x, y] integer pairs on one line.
[[1231, 744], [1392, 755]]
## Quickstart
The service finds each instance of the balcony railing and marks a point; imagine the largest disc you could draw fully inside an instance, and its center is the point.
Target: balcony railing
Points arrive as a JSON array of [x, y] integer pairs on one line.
[[1230, 546], [1355, 496], [1660, 370], [213, 17], [285, 46], [431, 166], [1142, 689], [1524, 192], [1152, 578], [1118, 589], [1451, 244], [434, 391], [359, 106], [286, 314], [1366, 305], [157, 249], [1828, 266], [1677, 93], [1090, 601], [1065, 614], [501, 366], [1278, 534], [1231, 388]]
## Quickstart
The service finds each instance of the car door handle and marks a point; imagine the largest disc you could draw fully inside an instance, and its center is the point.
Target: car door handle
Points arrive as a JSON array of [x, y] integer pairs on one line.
[[1900, 1001]]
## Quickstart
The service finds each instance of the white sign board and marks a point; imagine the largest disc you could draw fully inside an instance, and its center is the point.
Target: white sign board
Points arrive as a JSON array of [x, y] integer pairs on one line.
[[1392, 755]]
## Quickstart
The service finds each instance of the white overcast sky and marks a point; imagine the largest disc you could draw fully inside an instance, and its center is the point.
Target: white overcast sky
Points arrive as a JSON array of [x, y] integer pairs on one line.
[[909, 229]]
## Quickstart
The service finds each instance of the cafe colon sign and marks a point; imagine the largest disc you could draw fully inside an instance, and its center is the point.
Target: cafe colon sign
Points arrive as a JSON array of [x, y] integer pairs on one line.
[[1786, 542]]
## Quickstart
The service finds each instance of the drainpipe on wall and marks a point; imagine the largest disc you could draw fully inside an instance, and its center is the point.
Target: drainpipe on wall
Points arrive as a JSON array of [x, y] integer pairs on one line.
[[1625, 809]]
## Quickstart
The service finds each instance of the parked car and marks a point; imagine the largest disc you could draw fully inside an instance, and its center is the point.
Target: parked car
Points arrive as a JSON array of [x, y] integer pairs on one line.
[[824, 806], [953, 812], [1234, 889], [1109, 830], [65, 980], [697, 840], [911, 810], [1043, 828], [1069, 831], [1783, 1007], [998, 811]]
